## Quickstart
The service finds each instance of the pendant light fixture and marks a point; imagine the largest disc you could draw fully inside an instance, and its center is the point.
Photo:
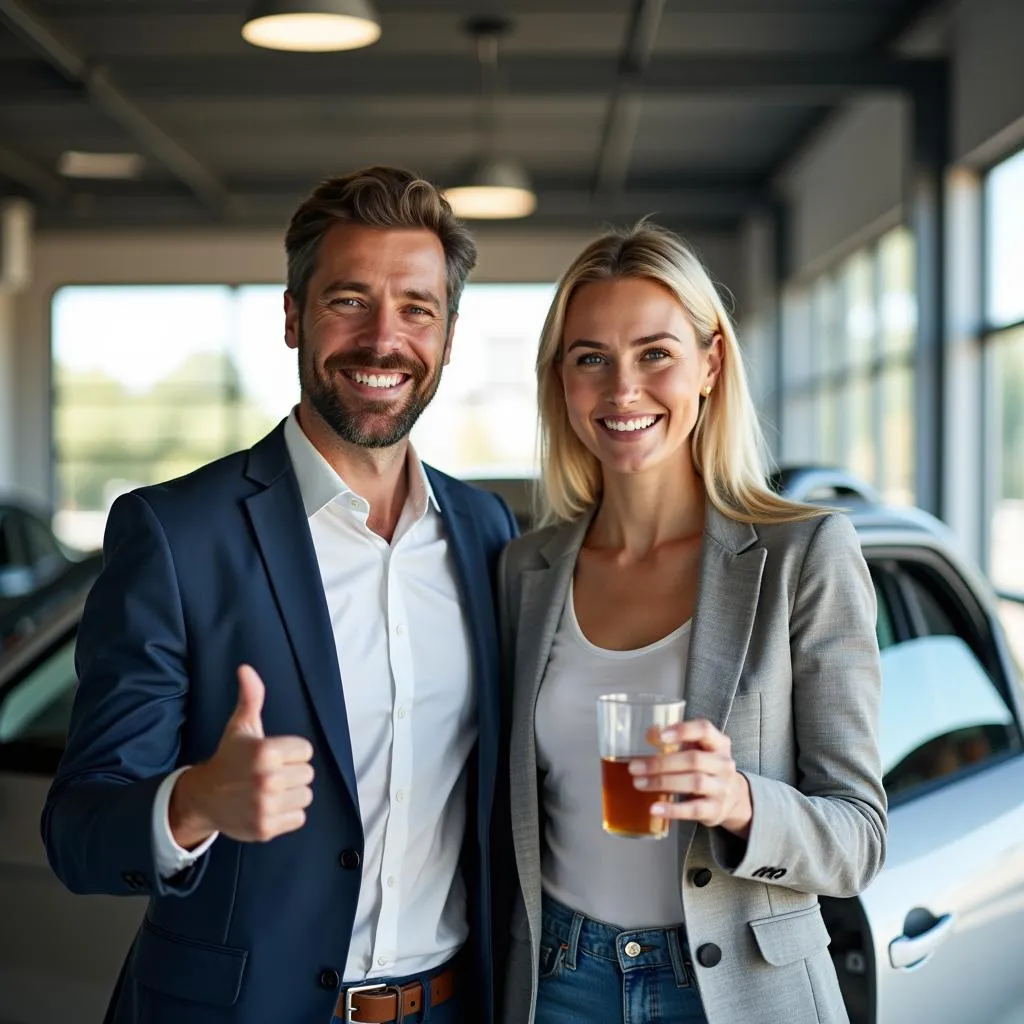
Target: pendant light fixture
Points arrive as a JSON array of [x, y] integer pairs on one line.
[[490, 187], [311, 26]]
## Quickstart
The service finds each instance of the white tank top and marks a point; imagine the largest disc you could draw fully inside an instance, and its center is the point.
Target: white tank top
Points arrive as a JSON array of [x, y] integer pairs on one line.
[[631, 883]]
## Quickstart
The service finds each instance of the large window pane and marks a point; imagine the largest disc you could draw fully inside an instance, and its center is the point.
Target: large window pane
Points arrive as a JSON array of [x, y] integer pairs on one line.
[[151, 382], [860, 442], [898, 307], [483, 421], [798, 342], [896, 454], [1004, 233], [1006, 558], [859, 320], [827, 326]]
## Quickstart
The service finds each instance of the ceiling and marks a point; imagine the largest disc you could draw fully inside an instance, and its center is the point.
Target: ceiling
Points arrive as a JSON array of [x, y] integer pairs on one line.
[[616, 108]]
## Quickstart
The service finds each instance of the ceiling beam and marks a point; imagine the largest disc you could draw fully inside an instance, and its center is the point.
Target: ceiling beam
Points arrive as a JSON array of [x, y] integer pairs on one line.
[[42, 182], [363, 75], [560, 203], [109, 98], [622, 119]]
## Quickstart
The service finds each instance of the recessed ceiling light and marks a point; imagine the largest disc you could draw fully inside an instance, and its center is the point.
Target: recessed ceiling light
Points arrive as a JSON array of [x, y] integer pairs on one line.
[[311, 26], [492, 190], [79, 164]]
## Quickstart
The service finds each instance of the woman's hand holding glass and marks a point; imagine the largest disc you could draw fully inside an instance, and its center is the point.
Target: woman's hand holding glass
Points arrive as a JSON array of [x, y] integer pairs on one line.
[[701, 773]]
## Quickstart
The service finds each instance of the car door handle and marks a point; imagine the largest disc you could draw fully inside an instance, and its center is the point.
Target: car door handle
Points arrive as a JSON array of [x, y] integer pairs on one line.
[[908, 952]]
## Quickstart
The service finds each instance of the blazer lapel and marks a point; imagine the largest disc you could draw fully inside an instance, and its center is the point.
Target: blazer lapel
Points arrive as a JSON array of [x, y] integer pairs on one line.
[[730, 583], [474, 577], [282, 535], [542, 601]]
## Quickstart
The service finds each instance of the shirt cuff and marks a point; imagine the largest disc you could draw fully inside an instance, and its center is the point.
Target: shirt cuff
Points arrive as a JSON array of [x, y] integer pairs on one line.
[[169, 856]]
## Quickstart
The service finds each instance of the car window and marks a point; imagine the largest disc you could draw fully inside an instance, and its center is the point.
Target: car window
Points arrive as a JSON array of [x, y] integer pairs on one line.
[[36, 711], [41, 544], [942, 711]]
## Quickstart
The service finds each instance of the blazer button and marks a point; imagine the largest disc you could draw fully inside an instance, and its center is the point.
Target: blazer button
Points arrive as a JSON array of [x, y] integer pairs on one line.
[[349, 859], [330, 979], [709, 955], [701, 877]]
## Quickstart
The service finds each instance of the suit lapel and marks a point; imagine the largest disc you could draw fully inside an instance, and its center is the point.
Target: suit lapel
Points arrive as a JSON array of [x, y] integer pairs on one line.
[[474, 578], [282, 536]]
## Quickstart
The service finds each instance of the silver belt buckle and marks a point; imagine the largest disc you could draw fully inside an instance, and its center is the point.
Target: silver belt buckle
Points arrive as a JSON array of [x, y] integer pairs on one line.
[[353, 990]]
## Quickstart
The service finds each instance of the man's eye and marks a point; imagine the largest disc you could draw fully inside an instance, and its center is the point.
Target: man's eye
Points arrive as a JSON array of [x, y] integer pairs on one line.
[[346, 300], [420, 311]]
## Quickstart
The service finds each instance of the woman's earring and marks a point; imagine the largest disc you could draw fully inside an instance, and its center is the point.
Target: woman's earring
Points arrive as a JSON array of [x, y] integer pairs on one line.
[[707, 390]]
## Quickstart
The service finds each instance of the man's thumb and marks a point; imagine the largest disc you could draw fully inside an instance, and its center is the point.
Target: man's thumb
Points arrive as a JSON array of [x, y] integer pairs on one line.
[[250, 703]]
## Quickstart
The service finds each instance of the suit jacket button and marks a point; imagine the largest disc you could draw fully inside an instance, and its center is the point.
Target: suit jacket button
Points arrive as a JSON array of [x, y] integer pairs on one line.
[[330, 979], [349, 859], [701, 877], [708, 955]]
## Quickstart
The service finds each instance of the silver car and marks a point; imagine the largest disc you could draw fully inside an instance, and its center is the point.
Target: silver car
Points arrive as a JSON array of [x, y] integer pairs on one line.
[[934, 940]]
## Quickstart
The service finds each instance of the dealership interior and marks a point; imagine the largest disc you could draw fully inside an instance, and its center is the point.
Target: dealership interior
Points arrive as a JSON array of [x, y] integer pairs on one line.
[[851, 172]]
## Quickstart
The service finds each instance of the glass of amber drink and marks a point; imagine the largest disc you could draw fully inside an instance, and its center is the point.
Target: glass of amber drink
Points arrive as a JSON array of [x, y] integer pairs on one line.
[[624, 724]]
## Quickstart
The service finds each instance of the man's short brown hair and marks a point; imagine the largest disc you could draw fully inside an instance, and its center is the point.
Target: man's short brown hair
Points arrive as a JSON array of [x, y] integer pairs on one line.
[[379, 197]]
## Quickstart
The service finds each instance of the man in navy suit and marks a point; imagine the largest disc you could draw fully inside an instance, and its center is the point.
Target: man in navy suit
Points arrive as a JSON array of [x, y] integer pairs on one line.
[[287, 725]]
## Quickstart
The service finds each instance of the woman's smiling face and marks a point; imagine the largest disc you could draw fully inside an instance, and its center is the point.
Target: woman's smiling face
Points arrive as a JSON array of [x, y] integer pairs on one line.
[[633, 373]]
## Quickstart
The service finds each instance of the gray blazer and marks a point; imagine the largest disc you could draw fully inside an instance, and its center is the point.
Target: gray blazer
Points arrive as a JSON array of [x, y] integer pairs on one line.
[[783, 658]]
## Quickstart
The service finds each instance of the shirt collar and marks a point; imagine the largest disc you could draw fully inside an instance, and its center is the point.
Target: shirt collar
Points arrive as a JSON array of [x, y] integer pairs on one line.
[[320, 484]]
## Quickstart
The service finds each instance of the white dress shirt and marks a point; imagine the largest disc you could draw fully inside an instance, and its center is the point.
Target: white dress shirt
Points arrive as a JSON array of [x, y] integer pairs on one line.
[[403, 649]]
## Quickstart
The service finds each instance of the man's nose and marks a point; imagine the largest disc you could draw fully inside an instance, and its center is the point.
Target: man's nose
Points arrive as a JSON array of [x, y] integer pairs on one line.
[[380, 331]]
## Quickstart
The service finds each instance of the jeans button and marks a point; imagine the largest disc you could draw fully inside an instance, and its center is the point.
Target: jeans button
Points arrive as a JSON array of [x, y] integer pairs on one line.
[[632, 949]]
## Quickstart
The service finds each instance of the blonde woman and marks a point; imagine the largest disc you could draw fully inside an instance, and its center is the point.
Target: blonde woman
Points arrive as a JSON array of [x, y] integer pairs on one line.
[[667, 566]]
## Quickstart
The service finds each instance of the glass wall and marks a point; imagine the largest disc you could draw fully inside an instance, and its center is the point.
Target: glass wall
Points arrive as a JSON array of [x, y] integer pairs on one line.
[[848, 348], [150, 382], [1004, 407]]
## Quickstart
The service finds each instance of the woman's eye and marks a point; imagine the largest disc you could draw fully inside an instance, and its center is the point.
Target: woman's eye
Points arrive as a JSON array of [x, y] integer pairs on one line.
[[589, 359], [654, 354]]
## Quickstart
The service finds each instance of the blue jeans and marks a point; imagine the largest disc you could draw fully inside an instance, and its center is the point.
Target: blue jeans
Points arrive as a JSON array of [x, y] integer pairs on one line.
[[587, 973]]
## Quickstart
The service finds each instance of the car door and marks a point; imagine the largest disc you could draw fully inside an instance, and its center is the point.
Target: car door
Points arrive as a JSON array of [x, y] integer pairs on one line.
[[59, 954], [946, 914]]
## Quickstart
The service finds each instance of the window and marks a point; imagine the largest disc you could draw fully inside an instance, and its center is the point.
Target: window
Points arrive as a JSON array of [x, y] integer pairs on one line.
[[943, 711], [1004, 235], [151, 382], [1004, 404], [848, 347], [35, 711]]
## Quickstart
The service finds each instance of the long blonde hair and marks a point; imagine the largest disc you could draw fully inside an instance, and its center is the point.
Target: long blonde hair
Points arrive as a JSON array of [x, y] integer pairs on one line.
[[727, 446]]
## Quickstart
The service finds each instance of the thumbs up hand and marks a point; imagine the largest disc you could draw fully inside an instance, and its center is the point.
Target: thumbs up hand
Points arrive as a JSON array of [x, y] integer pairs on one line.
[[253, 788]]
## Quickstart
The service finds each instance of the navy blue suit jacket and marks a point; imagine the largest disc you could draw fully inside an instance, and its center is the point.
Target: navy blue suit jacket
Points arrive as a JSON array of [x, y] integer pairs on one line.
[[202, 574]]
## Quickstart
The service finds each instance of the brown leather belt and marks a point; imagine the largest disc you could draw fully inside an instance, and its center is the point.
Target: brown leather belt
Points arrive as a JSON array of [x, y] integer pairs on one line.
[[380, 1004]]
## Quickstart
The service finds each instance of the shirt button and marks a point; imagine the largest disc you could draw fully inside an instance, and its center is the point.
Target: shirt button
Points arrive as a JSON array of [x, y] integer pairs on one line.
[[354, 502], [382, 961], [632, 949], [391, 881], [399, 795], [402, 712], [400, 629]]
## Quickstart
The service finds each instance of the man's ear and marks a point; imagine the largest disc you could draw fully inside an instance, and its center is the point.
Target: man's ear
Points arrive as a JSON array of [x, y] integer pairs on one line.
[[292, 321], [448, 340]]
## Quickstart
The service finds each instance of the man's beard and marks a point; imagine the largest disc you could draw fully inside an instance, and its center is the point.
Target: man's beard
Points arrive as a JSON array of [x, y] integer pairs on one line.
[[363, 421]]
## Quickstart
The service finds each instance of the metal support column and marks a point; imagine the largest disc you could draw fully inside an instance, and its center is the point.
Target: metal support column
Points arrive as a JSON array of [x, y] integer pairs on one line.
[[929, 158]]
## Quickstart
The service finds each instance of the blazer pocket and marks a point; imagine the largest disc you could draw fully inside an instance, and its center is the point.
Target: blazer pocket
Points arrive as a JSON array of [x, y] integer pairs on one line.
[[187, 968], [743, 727], [791, 937]]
